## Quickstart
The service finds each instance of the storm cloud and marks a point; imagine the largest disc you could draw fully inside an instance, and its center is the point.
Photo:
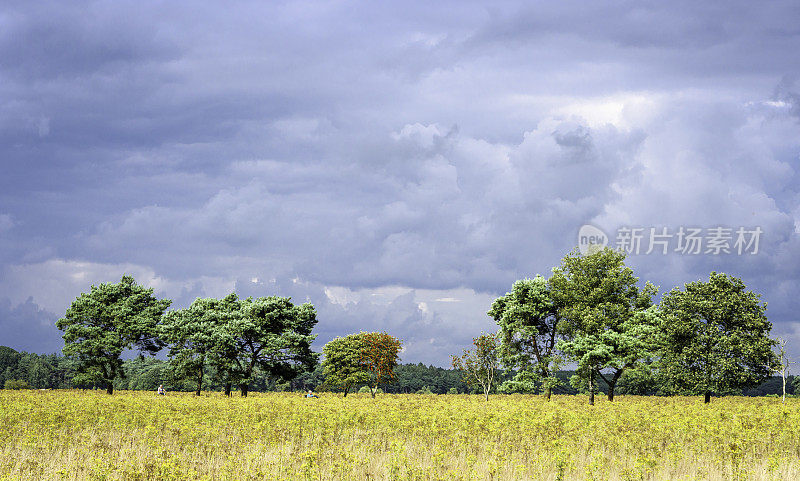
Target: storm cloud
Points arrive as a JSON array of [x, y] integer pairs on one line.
[[397, 165]]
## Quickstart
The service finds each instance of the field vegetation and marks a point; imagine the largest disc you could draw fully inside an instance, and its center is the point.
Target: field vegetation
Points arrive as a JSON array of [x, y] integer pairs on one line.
[[141, 436]]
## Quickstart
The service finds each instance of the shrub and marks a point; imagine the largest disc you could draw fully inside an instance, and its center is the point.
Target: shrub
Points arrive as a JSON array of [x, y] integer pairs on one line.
[[452, 391], [17, 384], [365, 390], [425, 390]]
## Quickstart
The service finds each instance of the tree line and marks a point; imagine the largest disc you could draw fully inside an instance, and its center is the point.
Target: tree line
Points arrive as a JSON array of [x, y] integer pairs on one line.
[[24, 370], [591, 314]]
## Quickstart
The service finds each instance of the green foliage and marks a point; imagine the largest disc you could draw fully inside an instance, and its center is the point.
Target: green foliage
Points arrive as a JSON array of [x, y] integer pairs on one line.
[[715, 338], [193, 335], [524, 382], [342, 364], [640, 380], [608, 322], [9, 358], [269, 333], [16, 384], [452, 390], [529, 329], [480, 365], [409, 378], [424, 390], [108, 320], [367, 390]]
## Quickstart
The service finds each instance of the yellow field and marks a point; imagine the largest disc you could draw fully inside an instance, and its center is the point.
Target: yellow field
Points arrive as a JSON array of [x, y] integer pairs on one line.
[[139, 435]]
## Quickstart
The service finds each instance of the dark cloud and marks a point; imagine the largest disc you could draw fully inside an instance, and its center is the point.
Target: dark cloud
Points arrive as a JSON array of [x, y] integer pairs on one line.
[[367, 157], [27, 327]]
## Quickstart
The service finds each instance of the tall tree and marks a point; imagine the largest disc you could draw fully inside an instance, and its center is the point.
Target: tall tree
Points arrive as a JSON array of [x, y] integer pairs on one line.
[[342, 365], [715, 338], [193, 336], [605, 318], [379, 356], [270, 333], [528, 320], [480, 364], [101, 324]]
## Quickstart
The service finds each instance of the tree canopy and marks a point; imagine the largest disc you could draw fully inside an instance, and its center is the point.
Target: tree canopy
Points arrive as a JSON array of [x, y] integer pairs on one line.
[[481, 363], [101, 324], [379, 356], [715, 338], [528, 321], [270, 333], [606, 318], [342, 364], [193, 337]]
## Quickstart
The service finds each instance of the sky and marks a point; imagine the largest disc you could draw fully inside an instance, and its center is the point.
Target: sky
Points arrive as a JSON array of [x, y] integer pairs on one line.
[[397, 164]]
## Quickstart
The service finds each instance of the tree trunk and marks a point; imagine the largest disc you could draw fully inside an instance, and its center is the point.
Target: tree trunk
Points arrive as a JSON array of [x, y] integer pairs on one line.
[[228, 389], [373, 391], [591, 388], [243, 388], [611, 393], [486, 392], [346, 388], [545, 373], [707, 398], [783, 376], [199, 381], [110, 388]]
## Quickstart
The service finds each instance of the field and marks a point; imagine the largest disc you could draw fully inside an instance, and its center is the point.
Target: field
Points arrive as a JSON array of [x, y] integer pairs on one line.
[[142, 436]]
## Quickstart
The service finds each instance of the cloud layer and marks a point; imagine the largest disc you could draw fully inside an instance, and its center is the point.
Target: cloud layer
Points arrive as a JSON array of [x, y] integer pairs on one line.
[[399, 167]]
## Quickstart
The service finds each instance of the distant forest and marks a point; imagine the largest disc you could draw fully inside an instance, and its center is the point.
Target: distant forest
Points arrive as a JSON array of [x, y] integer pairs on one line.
[[52, 371]]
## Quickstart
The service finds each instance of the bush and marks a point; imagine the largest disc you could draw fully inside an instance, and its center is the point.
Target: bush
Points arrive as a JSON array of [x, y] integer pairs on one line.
[[452, 391], [17, 384], [365, 389], [425, 390]]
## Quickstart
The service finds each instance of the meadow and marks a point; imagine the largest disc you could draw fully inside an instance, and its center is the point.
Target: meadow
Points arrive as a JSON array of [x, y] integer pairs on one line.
[[142, 436]]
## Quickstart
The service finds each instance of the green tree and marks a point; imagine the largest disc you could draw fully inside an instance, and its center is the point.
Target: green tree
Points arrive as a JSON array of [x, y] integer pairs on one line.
[[607, 320], [481, 364], [528, 320], [715, 338], [270, 333], [342, 364], [9, 358], [103, 323], [193, 334]]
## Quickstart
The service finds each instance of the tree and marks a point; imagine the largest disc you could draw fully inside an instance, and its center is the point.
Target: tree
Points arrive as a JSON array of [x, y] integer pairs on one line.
[[783, 364], [606, 319], [193, 335], [103, 323], [342, 365], [715, 338], [270, 333], [379, 357], [480, 365], [528, 320], [9, 358]]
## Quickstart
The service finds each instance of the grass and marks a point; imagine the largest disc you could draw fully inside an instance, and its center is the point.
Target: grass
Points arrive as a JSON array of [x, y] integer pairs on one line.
[[142, 436]]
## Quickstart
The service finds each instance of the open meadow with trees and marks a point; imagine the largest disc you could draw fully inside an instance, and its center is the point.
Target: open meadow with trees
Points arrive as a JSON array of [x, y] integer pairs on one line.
[[688, 383]]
